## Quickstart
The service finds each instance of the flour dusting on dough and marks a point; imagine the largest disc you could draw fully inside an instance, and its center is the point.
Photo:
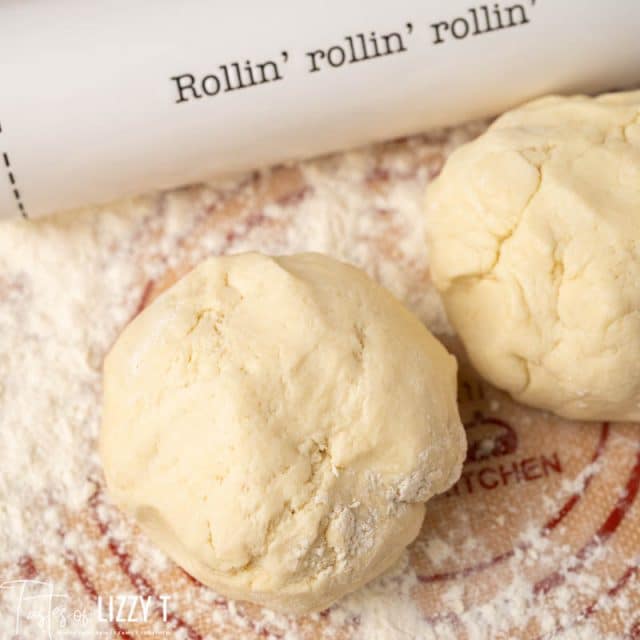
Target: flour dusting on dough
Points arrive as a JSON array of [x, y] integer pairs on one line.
[[68, 284]]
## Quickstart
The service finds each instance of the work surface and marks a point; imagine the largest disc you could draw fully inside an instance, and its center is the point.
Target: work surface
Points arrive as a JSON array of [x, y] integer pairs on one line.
[[539, 538]]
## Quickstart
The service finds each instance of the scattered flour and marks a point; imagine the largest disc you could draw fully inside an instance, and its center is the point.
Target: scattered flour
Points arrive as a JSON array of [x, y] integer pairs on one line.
[[68, 284]]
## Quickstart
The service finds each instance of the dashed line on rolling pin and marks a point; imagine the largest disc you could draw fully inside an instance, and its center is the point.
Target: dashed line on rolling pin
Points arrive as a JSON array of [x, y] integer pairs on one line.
[[13, 183]]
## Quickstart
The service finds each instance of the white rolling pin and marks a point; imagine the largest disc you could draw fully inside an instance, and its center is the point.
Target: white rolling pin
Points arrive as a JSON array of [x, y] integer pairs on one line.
[[104, 99]]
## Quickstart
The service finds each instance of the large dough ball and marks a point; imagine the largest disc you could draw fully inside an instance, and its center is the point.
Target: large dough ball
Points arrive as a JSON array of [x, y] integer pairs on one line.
[[276, 426], [535, 246]]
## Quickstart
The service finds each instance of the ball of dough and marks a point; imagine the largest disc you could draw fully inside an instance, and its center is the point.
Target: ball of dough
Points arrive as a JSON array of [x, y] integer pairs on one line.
[[276, 425], [535, 246]]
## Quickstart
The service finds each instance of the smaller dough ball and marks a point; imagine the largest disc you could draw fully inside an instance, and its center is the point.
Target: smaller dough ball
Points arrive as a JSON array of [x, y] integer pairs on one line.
[[276, 425], [535, 246]]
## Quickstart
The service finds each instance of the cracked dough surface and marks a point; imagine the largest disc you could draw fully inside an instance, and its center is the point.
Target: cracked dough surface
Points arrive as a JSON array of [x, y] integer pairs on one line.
[[535, 247], [277, 424]]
